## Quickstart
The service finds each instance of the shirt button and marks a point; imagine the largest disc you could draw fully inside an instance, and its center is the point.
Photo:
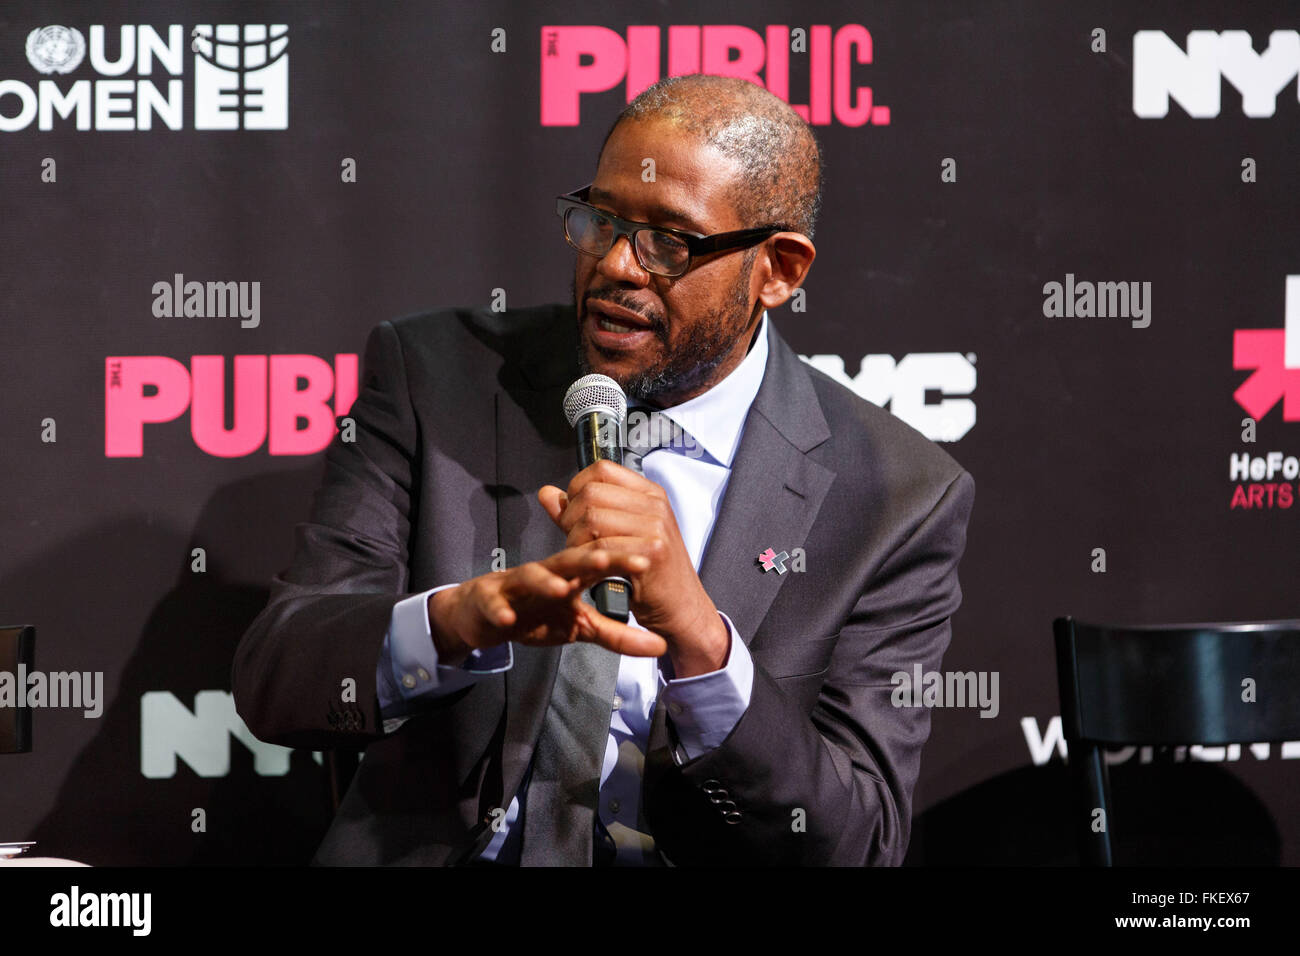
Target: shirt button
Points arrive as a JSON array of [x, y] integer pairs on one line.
[[424, 675], [614, 806], [408, 681], [618, 702]]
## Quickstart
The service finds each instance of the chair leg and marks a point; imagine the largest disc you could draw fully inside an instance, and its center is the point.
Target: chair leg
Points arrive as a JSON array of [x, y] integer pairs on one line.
[[1092, 786]]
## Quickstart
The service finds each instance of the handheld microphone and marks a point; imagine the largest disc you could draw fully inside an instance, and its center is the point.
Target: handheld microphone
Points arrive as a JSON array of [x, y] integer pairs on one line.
[[596, 408]]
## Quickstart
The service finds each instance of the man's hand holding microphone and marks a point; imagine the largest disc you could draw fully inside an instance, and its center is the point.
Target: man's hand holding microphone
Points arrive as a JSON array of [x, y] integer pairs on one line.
[[618, 524]]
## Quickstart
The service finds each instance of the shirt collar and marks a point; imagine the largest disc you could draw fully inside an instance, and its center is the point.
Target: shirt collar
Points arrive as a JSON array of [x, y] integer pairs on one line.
[[716, 419]]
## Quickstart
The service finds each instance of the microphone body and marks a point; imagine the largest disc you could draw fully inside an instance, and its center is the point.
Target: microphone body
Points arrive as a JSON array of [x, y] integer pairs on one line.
[[596, 409], [600, 437]]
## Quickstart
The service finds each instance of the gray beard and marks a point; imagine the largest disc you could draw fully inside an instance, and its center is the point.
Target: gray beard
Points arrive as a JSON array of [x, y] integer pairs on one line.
[[694, 362], [646, 387]]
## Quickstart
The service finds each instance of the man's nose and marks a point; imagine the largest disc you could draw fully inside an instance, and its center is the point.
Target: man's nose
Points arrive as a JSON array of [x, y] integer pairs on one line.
[[620, 263]]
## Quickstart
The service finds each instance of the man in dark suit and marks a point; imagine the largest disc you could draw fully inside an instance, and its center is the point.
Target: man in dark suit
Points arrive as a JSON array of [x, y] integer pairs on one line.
[[434, 612]]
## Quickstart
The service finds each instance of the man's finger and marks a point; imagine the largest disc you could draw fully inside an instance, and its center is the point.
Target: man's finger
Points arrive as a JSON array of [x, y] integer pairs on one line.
[[553, 500], [607, 471], [604, 497], [534, 579], [589, 564], [618, 637], [497, 610], [602, 524], [626, 547]]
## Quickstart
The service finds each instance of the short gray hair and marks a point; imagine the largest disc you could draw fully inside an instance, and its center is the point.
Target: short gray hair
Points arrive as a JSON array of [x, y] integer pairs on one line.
[[780, 159]]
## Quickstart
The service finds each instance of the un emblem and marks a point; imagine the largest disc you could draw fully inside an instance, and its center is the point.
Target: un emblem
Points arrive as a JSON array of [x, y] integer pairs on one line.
[[55, 49]]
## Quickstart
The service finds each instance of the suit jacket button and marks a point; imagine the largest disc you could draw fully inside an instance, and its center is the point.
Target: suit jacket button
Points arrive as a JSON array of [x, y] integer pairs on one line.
[[726, 806], [732, 816], [711, 786]]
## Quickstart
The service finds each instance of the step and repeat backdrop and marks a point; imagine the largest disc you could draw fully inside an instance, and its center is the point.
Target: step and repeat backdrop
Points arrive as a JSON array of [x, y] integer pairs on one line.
[[1060, 239]]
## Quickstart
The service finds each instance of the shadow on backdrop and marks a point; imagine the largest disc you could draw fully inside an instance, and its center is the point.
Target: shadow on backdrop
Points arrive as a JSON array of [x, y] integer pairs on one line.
[[107, 812]]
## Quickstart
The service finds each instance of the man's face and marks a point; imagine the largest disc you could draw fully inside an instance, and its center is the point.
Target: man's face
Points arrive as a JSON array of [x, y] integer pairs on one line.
[[685, 333]]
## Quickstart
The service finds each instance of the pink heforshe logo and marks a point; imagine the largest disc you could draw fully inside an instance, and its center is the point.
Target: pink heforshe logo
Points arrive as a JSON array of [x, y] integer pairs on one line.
[[1274, 355]]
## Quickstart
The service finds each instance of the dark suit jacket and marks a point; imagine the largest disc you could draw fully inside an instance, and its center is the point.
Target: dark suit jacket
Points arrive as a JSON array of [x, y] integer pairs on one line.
[[458, 423]]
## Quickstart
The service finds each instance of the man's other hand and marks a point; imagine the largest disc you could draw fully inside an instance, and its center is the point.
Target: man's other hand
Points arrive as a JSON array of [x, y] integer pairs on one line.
[[538, 603], [611, 508]]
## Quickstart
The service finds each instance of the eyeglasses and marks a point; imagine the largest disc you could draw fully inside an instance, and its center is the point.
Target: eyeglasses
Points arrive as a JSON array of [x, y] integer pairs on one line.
[[659, 249]]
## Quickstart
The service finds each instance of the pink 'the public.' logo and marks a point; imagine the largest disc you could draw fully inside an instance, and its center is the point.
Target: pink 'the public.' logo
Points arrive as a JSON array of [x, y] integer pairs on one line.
[[593, 59], [268, 401], [1274, 354]]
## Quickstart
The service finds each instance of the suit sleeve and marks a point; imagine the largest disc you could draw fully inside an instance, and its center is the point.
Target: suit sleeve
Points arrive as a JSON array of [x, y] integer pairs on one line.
[[304, 674], [833, 787]]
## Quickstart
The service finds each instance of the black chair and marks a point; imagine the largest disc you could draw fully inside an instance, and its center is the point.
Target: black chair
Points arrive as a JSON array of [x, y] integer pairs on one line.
[[1167, 685], [17, 646]]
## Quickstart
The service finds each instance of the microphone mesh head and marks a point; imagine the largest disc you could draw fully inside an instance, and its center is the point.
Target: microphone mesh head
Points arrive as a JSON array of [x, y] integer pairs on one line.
[[594, 393]]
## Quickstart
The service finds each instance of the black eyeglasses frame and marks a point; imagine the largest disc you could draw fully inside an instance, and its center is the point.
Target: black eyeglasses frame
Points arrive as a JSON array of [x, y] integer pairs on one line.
[[696, 244]]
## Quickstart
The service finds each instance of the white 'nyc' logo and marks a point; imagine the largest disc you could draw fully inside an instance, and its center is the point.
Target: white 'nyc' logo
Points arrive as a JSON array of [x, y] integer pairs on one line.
[[904, 387], [1161, 69]]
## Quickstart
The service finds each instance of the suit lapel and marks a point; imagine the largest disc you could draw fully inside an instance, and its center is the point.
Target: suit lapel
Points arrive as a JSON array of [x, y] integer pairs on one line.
[[774, 492]]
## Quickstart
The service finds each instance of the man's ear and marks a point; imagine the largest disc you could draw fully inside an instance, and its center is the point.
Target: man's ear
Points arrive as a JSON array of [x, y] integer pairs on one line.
[[788, 257]]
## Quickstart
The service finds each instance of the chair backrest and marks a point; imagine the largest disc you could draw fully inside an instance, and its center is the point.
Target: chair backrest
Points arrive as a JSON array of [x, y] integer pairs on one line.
[[1168, 684], [17, 650]]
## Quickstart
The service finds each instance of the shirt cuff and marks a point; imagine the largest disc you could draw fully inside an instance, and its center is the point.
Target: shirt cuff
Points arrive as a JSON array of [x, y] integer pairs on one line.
[[705, 708], [409, 670]]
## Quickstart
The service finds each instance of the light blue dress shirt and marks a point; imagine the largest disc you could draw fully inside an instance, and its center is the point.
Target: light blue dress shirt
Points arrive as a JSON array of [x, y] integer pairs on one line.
[[703, 709]]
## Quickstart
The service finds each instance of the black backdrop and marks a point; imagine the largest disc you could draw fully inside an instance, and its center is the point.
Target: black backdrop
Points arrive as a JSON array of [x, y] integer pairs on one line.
[[1087, 432]]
